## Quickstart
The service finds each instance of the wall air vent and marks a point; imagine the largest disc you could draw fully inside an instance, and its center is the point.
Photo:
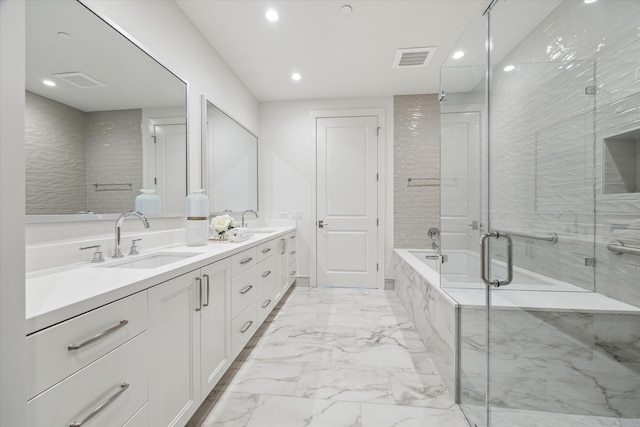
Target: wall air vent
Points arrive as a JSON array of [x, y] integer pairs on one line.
[[80, 80], [413, 57]]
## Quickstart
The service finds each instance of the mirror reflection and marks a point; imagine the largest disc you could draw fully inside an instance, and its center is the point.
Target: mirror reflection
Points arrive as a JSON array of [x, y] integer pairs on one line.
[[231, 166], [104, 120]]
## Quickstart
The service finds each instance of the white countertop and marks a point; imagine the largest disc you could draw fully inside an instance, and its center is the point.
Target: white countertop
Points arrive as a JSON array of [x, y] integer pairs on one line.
[[56, 295]]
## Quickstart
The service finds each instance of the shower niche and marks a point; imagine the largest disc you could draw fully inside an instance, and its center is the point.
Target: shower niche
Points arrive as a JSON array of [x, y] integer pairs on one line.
[[621, 163]]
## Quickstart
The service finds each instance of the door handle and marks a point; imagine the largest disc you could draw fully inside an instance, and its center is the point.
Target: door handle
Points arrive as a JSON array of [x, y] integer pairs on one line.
[[321, 224], [483, 259]]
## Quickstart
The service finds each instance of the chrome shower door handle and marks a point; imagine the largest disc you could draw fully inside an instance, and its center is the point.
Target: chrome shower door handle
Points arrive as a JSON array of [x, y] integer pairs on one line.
[[483, 259]]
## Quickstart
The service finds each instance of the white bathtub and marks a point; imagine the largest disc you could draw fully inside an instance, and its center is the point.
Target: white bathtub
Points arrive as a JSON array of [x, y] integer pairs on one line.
[[459, 279]]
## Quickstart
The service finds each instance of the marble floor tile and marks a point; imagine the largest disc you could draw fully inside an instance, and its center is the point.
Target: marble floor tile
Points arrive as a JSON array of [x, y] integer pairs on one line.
[[262, 378], [374, 415], [413, 389]]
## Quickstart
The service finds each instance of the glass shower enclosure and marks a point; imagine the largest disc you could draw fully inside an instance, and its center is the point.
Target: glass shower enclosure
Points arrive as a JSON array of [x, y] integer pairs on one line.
[[540, 212]]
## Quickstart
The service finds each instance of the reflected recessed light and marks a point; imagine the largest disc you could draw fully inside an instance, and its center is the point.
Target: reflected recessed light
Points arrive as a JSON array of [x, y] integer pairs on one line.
[[296, 76], [64, 35], [346, 9], [457, 54], [48, 83], [272, 15], [509, 68], [590, 1]]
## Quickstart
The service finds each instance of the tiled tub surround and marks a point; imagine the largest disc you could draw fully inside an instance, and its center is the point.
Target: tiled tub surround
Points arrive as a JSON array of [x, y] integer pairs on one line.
[[566, 352]]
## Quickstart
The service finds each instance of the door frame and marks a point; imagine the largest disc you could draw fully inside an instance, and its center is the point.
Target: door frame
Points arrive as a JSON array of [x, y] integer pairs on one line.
[[379, 113]]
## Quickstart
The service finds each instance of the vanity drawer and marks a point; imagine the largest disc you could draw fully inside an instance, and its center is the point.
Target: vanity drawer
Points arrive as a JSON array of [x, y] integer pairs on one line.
[[266, 273], [265, 250], [119, 377], [243, 261], [265, 302], [244, 289], [140, 419], [242, 328], [50, 357]]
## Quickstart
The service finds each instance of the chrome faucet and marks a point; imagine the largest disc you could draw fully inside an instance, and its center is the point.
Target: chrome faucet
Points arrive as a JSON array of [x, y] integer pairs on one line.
[[117, 252], [247, 211]]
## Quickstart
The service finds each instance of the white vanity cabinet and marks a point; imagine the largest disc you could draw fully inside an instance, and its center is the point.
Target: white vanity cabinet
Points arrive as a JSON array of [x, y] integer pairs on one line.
[[267, 275], [188, 321], [292, 262], [97, 358], [244, 289], [288, 261]]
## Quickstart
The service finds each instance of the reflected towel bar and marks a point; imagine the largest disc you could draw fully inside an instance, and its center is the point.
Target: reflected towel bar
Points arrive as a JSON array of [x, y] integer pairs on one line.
[[552, 237], [618, 248], [114, 187]]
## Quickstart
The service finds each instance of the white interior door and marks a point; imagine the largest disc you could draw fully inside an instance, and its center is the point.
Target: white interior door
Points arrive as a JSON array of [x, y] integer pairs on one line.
[[460, 179], [347, 200]]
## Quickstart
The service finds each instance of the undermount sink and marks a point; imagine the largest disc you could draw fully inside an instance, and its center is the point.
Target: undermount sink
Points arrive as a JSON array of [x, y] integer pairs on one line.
[[153, 261]]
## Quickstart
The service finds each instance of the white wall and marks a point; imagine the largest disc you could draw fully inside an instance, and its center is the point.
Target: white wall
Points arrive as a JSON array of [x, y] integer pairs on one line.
[[285, 175], [13, 395]]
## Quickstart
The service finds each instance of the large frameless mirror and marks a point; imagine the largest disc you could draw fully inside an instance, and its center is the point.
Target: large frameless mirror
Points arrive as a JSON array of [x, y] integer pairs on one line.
[[230, 162], [104, 120]]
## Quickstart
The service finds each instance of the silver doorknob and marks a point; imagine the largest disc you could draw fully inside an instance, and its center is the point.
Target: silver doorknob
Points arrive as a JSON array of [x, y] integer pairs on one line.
[[321, 224]]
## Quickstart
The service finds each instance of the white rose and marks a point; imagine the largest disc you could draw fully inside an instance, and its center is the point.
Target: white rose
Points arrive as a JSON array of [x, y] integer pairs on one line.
[[221, 223]]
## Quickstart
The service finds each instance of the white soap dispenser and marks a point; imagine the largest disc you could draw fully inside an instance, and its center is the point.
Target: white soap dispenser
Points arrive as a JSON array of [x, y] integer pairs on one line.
[[197, 231]]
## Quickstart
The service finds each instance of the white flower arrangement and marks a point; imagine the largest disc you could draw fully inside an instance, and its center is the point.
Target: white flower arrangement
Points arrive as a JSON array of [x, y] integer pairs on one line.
[[221, 224]]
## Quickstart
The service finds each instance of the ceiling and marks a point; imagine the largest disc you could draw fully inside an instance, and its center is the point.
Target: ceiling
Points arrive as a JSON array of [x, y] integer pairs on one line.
[[337, 54]]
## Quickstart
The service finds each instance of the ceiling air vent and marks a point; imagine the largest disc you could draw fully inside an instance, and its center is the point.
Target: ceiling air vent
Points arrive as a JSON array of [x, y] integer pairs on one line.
[[413, 57], [80, 80]]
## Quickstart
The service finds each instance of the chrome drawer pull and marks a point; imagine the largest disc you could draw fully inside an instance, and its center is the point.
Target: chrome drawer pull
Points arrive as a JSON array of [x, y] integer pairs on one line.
[[292, 252], [206, 276], [266, 273], [293, 237], [102, 334], [246, 289], [265, 250], [199, 281], [293, 272], [100, 408], [266, 303], [246, 260], [246, 326]]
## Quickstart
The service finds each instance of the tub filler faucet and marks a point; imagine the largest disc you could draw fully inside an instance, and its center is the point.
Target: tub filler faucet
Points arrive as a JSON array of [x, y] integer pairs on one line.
[[117, 252]]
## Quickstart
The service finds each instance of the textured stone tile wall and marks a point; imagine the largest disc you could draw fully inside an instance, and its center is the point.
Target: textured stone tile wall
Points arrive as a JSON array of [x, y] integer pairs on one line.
[[416, 154], [55, 161]]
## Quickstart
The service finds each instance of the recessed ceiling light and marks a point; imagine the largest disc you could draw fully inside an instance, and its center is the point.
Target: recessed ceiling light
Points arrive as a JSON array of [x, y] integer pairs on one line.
[[48, 83], [272, 15], [64, 35], [590, 1], [346, 9], [296, 76], [457, 54], [509, 68]]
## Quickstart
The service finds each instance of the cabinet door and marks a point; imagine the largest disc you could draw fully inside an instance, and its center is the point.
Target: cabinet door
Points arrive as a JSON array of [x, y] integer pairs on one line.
[[174, 326], [215, 320], [284, 265]]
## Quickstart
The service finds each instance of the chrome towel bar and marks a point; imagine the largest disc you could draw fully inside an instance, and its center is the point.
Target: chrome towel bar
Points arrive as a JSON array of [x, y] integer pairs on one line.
[[618, 248], [552, 237]]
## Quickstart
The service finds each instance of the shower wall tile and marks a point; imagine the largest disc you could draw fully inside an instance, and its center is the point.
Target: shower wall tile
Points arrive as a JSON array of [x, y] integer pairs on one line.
[[416, 155], [548, 137], [55, 160], [114, 156]]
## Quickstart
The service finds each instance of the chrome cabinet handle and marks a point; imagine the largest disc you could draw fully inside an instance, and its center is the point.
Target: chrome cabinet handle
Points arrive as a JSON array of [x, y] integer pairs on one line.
[[101, 335], [206, 276], [293, 272], [199, 307], [283, 246], [246, 289], [266, 273], [246, 326], [265, 250], [266, 303], [292, 253], [246, 260], [293, 237], [109, 401], [483, 258]]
